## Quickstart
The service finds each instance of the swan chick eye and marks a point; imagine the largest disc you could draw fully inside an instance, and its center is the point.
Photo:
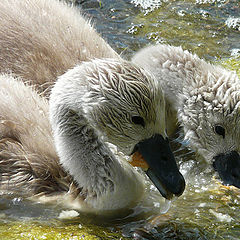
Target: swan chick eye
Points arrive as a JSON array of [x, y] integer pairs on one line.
[[219, 130], [138, 120]]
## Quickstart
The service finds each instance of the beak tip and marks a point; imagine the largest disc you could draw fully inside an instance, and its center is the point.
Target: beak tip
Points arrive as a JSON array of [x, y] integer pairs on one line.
[[170, 188], [182, 186], [228, 168]]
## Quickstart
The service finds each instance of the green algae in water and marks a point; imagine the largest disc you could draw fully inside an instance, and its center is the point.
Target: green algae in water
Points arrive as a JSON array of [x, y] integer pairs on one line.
[[211, 214], [200, 28], [232, 64], [30, 230]]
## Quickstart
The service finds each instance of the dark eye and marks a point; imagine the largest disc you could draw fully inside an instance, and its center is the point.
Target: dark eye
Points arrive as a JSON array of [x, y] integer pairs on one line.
[[138, 120], [220, 130]]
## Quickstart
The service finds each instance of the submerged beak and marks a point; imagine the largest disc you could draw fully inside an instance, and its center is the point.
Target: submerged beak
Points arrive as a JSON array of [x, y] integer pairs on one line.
[[228, 168], [159, 164]]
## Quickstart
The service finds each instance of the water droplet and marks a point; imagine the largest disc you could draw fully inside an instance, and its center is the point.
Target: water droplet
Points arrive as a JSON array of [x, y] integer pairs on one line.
[[165, 207]]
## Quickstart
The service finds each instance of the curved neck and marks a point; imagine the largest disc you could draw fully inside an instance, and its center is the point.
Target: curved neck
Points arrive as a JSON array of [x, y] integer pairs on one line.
[[105, 182], [82, 153]]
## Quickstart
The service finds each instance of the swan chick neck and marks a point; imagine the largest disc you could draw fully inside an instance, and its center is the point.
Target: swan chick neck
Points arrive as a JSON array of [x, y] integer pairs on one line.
[[83, 107]]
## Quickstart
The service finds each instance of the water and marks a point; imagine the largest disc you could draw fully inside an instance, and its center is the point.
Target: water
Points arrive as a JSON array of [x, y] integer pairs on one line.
[[209, 28], [206, 210]]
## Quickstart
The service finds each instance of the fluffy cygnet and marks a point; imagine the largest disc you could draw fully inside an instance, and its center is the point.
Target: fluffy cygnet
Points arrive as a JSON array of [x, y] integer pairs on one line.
[[204, 99]]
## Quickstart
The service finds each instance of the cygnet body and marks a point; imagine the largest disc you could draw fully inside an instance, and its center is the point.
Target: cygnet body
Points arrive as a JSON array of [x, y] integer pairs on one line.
[[41, 39]]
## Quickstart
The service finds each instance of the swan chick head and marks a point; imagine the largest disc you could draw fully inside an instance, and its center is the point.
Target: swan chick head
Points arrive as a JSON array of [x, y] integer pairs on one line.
[[124, 105], [125, 102], [205, 99], [211, 122]]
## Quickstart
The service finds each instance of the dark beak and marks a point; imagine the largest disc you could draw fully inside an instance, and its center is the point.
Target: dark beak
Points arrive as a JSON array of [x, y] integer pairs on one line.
[[228, 168], [163, 170]]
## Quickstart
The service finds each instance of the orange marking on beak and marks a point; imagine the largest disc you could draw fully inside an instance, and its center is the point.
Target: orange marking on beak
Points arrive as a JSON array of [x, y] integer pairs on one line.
[[138, 161]]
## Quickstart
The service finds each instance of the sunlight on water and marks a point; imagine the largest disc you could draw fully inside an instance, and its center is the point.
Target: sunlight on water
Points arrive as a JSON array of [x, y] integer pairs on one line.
[[148, 5]]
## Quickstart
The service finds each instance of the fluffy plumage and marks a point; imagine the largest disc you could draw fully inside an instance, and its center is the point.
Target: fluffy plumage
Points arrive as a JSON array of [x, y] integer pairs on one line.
[[203, 98], [42, 39], [28, 158], [90, 105]]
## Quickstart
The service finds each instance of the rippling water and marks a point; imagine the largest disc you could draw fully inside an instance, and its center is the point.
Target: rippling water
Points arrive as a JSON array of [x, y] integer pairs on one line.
[[210, 28], [207, 210]]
